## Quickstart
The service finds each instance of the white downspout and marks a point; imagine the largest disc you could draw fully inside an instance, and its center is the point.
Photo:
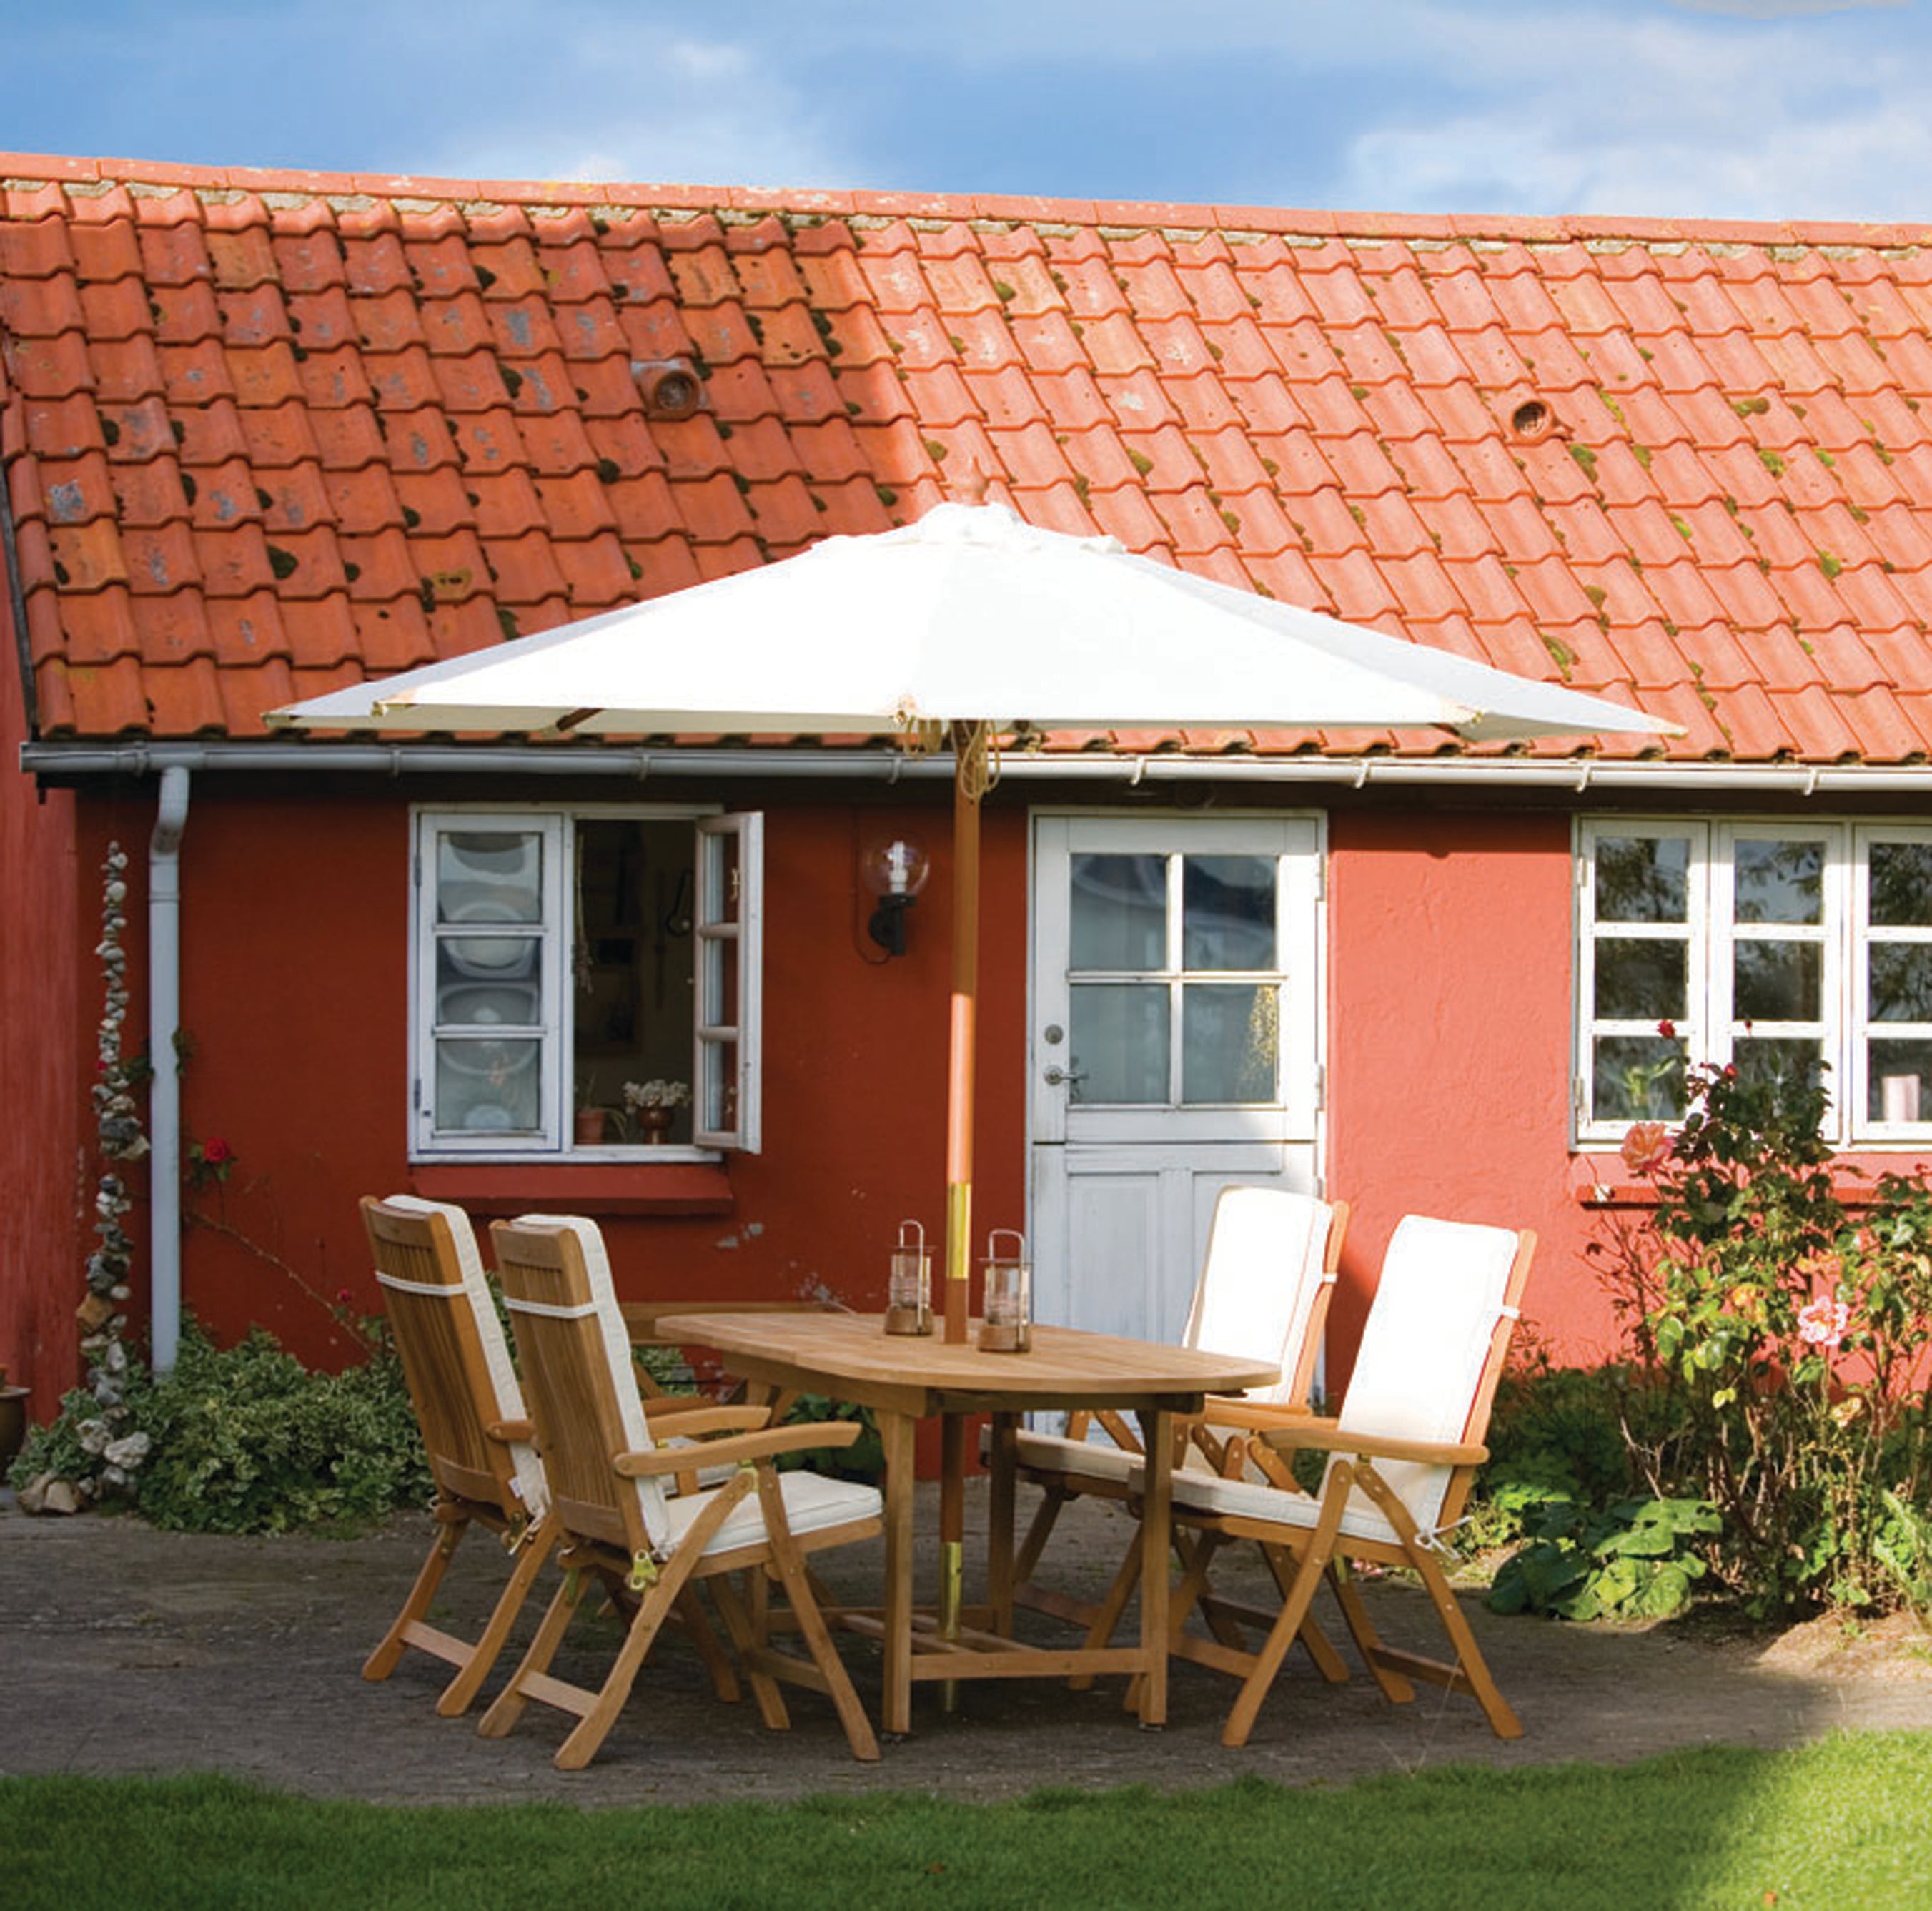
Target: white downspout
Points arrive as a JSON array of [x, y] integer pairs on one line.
[[164, 1249]]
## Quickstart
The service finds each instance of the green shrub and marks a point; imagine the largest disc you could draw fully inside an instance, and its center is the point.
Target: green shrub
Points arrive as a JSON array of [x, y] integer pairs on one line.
[[1638, 1559], [248, 1440], [1788, 1340], [865, 1459]]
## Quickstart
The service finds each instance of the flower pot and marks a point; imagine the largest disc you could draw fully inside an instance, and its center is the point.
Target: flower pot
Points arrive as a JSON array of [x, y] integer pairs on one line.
[[654, 1124], [590, 1124]]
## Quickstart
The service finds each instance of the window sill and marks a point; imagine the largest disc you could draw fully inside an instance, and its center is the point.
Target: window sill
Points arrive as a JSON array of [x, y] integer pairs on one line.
[[591, 1188]]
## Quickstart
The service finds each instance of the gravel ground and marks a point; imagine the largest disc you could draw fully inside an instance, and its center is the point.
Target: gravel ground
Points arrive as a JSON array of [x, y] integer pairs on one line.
[[127, 1650]]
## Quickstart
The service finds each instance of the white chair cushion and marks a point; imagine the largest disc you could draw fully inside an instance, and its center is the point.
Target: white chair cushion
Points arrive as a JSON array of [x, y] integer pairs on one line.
[[812, 1502], [653, 1498], [1097, 1459], [1258, 1285], [1207, 1492], [527, 1468]]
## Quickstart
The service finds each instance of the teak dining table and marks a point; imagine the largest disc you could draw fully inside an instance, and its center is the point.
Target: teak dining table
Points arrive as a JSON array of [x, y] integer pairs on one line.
[[907, 1378]]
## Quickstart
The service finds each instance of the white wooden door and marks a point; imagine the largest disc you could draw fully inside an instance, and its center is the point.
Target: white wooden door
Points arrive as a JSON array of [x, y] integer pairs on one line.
[[1176, 1005]]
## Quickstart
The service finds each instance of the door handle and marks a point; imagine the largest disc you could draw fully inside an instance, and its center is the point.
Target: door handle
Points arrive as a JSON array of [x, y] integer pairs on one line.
[[1054, 1076]]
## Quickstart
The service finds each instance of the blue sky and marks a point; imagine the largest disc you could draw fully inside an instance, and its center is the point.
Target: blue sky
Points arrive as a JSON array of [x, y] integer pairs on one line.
[[1720, 108]]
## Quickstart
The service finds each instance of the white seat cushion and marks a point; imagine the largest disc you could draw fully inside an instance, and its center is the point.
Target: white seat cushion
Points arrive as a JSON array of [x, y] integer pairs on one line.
[[1095, 1458], [1207, 1492], [812, 1501]]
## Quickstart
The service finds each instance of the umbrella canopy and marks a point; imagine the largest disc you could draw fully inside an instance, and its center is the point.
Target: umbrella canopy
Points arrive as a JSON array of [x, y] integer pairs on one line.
[[969, 615], [972, 620]]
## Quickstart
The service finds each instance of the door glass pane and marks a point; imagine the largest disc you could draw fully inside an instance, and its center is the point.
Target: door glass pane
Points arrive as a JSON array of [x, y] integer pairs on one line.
[[1120, 1042], [472, 995], [487, 1086], [1228, 913], [1900, 1081], [1643, 879], [1230, 1041], [1119, 912], [1901, 885], [1777, 981], [1900, 974], [1779, 882], [1641, 981], [1637, 1078]]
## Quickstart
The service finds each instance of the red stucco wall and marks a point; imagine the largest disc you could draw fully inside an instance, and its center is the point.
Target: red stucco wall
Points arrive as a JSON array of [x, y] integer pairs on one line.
[[294, 908], [1449, 1064]]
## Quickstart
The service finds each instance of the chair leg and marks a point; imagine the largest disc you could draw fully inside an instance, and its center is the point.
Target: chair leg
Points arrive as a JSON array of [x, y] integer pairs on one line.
[[704, 1639], [1282, 1563], [1107, 1614], [743, 1628], [1282, 1635], [1362, 1630], [580, 1747], [1038, 1531], [500, 1720], [534, 1548], [381, 1662], [788, 1567]]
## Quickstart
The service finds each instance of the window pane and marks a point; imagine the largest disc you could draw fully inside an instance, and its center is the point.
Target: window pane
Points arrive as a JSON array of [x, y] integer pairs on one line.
[[1899, 1081], [1230, 1041], [494, 876], [1901, 885], [1637, 1078], [631, 964], [717, 1092], [488, 1086], [1641, 981], [1643, 879], [1228, 913], [1779, 882], [1777, 981], [465, 998], [1781, 1058], [1119, 912], [1120, 1042], [1900, 975]]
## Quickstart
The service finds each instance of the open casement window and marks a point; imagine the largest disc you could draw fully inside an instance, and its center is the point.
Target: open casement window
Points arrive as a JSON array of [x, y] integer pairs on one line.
[[562, 957], [1789, 948]]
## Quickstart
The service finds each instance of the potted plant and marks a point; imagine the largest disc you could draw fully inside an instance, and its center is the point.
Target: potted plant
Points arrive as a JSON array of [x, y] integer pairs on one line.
[[651, 1106]]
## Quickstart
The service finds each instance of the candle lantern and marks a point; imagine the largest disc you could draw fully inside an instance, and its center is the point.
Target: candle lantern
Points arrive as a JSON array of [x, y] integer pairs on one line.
[[1005, 1326], [909, 1283]]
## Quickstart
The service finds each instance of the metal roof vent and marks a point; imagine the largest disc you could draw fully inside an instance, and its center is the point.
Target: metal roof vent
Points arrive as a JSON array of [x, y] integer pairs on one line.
[[1532, 419], [671, 387]]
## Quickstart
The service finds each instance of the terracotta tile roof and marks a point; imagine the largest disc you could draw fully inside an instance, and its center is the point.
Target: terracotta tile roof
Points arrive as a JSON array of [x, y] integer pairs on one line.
[[263, 432]]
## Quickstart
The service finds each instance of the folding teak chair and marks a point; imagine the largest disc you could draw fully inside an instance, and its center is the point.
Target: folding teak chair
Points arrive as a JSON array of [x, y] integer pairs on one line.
[[1403, 1454], [1265, 1287], [608, 1479], [464, 1388]]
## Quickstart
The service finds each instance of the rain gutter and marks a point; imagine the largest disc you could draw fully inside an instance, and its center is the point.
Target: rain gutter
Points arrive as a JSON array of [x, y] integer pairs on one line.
[[164, 1238], [1576, 774]]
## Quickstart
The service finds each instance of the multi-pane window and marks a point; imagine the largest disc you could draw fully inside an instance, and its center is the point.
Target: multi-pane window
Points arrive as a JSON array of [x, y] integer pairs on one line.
[[1780, 948], [574, 970]]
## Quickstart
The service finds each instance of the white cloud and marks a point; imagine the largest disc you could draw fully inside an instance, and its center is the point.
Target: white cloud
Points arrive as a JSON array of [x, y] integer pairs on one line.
[[1638, 116], [637, 104]]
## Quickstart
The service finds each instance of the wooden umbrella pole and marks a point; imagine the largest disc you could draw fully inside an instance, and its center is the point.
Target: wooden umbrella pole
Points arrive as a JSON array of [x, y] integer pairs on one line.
[[971, 745]]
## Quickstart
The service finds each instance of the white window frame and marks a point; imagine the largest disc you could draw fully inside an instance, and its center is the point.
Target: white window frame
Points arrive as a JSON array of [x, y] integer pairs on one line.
[[1709, 1029], [722, 1027]]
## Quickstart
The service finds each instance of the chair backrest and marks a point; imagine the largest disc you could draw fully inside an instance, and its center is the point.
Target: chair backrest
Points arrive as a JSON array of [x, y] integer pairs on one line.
[[1264, 1285], [578, 1377], [1433, 1350], [455, 1360]]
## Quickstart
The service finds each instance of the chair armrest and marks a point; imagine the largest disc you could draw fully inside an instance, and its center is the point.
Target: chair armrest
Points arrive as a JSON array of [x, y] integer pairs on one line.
[[1256, 1416], [709, 1417], [1325, 1437], [739, 1448], [507, 1431]]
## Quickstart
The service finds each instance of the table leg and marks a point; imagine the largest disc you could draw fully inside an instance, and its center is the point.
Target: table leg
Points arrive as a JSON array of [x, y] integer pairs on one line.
[[1000, 1523], [1157, 1436], [952, 1535], [896, 1434]]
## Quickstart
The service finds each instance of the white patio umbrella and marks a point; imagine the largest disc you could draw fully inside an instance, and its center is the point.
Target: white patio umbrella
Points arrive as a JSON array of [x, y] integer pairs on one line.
[[970, 622]]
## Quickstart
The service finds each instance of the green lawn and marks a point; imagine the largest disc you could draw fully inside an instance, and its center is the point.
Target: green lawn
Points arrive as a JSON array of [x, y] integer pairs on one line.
[[1845, 1825]]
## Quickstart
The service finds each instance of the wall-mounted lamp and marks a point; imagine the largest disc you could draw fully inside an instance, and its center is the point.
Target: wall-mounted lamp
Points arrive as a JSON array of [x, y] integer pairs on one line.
[[894, 870]]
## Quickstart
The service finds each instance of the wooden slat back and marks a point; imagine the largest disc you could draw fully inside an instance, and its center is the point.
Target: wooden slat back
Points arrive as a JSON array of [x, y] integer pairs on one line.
[[570, 1386], [443, 1363]]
